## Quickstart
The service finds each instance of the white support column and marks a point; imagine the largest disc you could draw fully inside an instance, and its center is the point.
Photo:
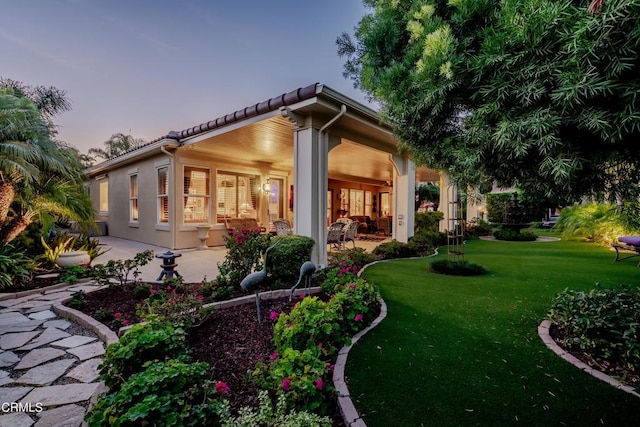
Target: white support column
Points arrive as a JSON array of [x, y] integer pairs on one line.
[[403, 197], [310, 189]]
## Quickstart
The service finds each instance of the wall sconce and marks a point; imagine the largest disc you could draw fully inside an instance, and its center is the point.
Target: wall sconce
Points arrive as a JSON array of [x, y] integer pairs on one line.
[[266, 187]]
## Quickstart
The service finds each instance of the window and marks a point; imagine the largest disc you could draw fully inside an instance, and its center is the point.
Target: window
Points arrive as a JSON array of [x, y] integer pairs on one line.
[[196, 195], [133, 198], [385, 204], [236, 196], [344, 199], [275, 197], [356, 202], [368, 200], [104, 197], [163, 194]]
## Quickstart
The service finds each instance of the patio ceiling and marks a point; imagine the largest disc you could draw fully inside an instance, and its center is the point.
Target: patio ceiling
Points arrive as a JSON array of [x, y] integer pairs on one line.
[[270, 143]]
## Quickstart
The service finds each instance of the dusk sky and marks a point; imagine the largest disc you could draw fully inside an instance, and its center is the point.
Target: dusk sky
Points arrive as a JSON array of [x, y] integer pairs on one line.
[[147, 67]]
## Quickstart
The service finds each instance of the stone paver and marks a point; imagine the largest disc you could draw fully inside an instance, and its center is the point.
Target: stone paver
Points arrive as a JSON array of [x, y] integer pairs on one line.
[[13, 394], [8, 358], [48, 336], [63, 416], [88, 351], [74, 341], [57, 296], [58, 324], [21, 327], [16, 419], [11, 341], [38, 357], [43, 315], [11, 318], [61, 394], [86, 372], [5, 378], [47, 373]]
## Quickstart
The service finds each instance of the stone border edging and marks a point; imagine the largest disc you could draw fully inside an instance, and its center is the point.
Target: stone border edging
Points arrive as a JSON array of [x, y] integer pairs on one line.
[[16, 295], [543, 332], [348, 411], [102, 331]]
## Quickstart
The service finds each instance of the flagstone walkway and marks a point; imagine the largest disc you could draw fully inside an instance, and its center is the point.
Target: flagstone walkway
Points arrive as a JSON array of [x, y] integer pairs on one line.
[[48, 365]]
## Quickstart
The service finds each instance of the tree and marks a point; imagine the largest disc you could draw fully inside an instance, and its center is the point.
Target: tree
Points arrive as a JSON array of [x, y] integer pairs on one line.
[[540, 94], [38, 177], [117, 144]]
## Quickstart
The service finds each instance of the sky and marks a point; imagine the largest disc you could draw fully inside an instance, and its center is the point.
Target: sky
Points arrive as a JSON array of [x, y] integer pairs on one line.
[[145, 67]]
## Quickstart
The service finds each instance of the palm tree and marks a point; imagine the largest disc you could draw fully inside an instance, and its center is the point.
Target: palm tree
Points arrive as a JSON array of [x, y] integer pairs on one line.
[[117, 144], [35, 172]]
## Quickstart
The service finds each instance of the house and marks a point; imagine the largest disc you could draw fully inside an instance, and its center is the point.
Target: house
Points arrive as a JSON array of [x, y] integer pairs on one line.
[[308, 155]]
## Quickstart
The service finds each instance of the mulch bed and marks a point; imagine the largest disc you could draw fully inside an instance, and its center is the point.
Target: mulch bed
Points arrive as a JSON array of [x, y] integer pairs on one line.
[[615, 370]]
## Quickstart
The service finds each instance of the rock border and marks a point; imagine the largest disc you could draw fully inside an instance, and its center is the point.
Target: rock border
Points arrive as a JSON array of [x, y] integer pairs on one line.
[[543, 332]]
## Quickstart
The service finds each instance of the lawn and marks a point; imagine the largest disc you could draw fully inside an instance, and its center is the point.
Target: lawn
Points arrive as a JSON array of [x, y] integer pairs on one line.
[[465, 350]]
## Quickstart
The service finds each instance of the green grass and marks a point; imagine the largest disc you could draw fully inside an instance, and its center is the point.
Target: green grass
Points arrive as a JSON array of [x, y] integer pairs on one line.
[[465, 350]]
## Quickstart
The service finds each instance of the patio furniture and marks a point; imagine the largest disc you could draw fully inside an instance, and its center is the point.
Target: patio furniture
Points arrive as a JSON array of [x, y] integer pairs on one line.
[[345, 221], [283, 227], [383, 225], [627, 243], [334, 236], [349, 234], [366, 224]]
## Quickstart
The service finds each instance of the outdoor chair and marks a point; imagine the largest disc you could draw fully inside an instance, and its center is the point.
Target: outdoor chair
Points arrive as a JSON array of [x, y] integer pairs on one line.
[[334, 236], [283, 227], [345, 221], [383, 225], [349, 234], [627, 243]]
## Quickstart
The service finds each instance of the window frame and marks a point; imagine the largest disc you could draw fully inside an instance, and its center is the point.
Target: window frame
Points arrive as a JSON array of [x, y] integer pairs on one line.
[[103, 197], [134, 207], [160, 196], [201, 201]]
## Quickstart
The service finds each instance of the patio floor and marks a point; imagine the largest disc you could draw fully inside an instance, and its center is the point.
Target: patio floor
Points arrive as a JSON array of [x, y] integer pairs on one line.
[[193, 264]]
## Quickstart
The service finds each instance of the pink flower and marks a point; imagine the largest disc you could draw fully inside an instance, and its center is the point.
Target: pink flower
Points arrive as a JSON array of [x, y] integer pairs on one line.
[[319, 383], [222, 387], [168, 288], [199, 297], [125, 322], [154, 291], [117, 315], [301, 296], [286, 384], [240, 239], [274, 355], [353, 286], [320, 344], [273, 316], [331, 367], [172, 302], [358, 317]]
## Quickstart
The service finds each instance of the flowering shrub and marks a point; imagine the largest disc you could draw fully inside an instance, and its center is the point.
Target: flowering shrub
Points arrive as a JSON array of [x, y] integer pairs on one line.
[[358, 257], [357, 304], [168, 393], [336, 276], [142, 343], [301, 376], [310, 324], [181, 309], [286, 258], [244, 248], [268, 416]]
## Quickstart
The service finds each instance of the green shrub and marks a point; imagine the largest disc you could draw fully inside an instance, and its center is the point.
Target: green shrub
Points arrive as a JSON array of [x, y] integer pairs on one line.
[[477, 227], [77, 300], [456, 268], [333, 278], [144, 342], [116, 272], [103, 315], [244, 250], [142, 291], [167, 393], [182, 310], [15, 267], [301, 376], [286, 258], [599, 222], [57, 244], [215, 292], [310, 322], [268, 416], [513, 236], [93, 246], [428, 221], [425, 242], [603, 322], [357, 257], [357, 304], [394, 249]]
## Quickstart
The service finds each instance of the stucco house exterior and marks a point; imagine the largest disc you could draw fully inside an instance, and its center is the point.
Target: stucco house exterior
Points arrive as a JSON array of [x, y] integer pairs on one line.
[[307, 155]]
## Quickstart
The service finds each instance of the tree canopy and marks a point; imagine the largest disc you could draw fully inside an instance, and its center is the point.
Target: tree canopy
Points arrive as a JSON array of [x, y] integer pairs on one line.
[[117, 144], [541, 94], [39, 177]]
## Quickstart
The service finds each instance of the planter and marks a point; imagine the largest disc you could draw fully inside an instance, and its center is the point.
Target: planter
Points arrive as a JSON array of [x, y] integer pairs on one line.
[[73, 259]]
